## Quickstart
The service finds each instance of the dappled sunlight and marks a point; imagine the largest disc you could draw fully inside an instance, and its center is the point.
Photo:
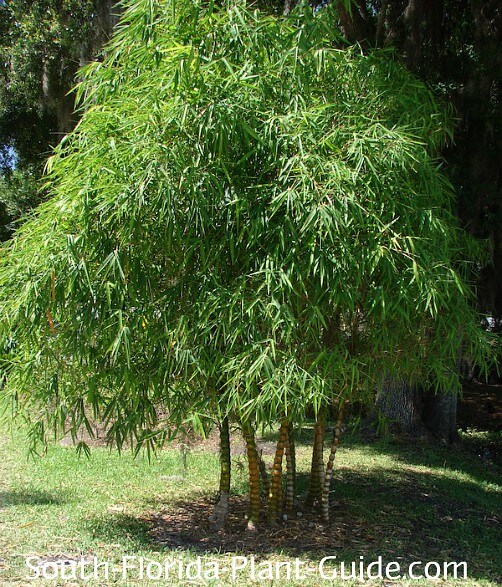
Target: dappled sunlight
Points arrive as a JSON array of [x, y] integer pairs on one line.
[[406, 513]]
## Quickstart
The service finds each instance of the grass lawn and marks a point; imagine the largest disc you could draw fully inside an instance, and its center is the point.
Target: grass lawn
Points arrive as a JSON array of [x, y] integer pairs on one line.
[[403, 502]]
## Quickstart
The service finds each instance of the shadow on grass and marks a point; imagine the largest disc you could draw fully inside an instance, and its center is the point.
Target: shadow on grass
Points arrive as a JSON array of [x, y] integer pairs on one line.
[[133, 532], [28, 497], [462, 457], [480, 459], [403, 517]]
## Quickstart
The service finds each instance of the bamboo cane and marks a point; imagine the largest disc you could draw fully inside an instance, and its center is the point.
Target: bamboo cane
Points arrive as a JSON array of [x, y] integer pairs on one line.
[[274, 505], [329, 465], [220, 513], [317, 467], [290, 470], [254, 474]]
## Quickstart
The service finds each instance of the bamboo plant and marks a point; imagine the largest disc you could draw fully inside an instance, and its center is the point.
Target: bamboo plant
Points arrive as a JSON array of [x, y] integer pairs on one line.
[[245, 202]]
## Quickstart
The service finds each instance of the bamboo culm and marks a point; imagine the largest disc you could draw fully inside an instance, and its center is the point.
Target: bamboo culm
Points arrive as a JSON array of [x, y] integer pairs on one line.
[[219, 515], [329, 465], [317, 467], [254, 474], [274, 505], [290, 471]]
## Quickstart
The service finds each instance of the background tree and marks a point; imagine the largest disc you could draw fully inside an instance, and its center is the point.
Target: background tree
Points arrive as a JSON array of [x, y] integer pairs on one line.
[[455, 47], [42, 45]]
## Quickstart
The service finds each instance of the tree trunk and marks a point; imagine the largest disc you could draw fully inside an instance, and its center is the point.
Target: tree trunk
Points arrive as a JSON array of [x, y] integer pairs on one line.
[[317, 467], [254, 474], [440, 416], [287, 7], [417, 411], [219, 515], [356, 25], [400, 402], [274, 506], [329, 465]]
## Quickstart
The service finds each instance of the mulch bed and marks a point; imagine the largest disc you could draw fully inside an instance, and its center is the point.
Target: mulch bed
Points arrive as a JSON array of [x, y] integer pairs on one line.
[[185, 525]]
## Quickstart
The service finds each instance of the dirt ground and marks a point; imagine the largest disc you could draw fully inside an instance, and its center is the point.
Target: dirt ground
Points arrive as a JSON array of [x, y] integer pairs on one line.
[[185, 525]]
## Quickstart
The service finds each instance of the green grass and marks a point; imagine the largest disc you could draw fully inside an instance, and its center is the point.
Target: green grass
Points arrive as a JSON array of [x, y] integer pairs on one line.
[[402, 502]]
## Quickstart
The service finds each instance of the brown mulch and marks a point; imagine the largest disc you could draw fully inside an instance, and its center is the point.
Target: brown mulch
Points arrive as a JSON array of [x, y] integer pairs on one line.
[[185, 525]]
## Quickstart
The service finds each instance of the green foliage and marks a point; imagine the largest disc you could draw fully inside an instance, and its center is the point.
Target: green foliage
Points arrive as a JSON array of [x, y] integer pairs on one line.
[[245, 219], [19, 191], [42, 45]]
